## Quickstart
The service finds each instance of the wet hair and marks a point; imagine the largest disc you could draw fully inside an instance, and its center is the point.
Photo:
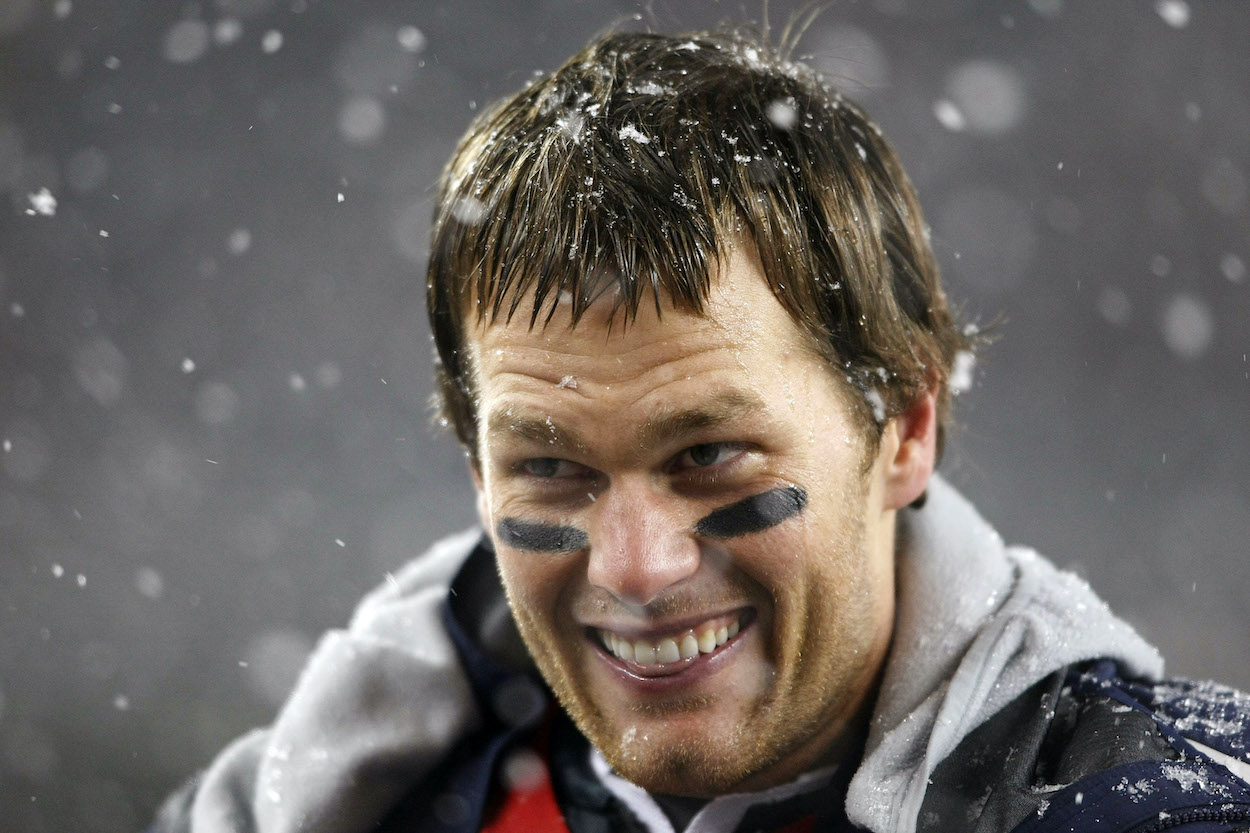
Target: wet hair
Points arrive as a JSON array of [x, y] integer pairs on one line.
[[635, 167]]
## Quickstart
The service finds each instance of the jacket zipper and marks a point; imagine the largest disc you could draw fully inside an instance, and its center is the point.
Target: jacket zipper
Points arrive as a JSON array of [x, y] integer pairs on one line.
[[1197, 814]]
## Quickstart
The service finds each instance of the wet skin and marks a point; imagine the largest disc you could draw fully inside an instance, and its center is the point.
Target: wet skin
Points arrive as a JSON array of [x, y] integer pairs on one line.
[[674, 459]]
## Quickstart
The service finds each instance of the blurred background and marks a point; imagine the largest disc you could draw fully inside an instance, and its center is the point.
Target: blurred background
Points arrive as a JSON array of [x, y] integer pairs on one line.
[[214, 361]]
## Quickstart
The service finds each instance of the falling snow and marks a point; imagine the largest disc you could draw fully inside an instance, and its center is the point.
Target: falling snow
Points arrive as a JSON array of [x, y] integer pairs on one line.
[[186, 41], [239, 241], [1047, 8], [149, 583], [988, 95], [949, 115], [1175, 13], [1233, 268], [192, 383], [271, 42], [410, 38], [362, 120], [1114, 306], [962, 371], [42, 203], [227, 30], [1188, 326]]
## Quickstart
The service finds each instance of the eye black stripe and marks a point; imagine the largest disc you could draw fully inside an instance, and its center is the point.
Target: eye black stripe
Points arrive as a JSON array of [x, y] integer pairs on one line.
[[540, 537], [753, 514]]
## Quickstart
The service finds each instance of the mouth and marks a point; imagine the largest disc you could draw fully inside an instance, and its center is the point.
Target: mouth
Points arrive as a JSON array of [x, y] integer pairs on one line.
[[666, 654]]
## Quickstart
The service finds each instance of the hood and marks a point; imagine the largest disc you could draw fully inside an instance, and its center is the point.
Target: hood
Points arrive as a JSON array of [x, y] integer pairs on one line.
[[376, 707], [379, 704], [977, 624]]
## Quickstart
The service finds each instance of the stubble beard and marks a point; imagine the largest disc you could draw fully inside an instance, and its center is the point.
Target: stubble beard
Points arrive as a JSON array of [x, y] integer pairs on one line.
[[804, 694], [718, 760]]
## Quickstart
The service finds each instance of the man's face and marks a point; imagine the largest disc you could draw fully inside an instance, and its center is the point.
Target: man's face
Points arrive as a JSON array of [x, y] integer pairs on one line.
[[695, 537]]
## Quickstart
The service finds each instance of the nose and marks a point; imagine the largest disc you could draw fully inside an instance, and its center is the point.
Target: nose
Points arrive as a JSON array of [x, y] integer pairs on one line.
[[639, 544]]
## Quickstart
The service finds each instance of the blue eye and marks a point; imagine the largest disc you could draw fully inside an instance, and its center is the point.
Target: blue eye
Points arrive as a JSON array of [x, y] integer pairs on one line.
[[705, 454], [708, 454], [548, 467]]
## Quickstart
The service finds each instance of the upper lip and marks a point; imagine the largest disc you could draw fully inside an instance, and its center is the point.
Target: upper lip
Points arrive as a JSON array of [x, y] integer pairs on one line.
[[654, 630]]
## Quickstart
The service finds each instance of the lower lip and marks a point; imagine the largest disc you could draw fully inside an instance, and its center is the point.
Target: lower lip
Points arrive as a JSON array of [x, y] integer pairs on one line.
[[687, 672]]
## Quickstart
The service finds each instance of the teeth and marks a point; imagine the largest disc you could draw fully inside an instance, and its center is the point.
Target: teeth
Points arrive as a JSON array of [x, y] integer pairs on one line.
[[689, 646], [704, 639]]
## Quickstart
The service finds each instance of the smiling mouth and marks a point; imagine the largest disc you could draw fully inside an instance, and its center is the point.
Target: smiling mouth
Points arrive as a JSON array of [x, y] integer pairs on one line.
[[679, 648]]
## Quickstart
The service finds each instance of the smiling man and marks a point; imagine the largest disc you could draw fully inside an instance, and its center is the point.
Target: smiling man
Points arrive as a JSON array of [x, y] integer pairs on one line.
[[692, 338], [695, 534]]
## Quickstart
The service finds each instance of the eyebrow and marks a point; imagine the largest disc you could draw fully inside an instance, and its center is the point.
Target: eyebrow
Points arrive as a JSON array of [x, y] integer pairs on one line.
[[726, 406], [538, 431]]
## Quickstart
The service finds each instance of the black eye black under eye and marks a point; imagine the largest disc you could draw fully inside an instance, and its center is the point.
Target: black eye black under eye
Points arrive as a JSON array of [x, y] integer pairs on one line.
[[753, 514], [541, 537]]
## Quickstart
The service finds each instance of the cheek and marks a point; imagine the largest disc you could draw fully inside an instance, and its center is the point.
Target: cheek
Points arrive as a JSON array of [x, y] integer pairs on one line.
[[816, 570], [533, 581]]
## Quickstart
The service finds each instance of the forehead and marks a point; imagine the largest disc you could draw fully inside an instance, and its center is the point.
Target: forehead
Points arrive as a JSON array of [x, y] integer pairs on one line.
[[741, 362], [741, 317]]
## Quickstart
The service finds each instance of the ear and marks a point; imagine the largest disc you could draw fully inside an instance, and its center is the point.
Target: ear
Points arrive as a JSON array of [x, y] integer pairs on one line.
[[483, 508], [911, 445]]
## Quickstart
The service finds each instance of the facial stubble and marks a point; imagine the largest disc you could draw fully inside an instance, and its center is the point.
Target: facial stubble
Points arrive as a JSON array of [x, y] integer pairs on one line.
[[821, 684]]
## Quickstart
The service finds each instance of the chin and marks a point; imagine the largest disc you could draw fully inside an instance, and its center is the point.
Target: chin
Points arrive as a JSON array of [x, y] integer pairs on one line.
[[697, 768], [669, 749]]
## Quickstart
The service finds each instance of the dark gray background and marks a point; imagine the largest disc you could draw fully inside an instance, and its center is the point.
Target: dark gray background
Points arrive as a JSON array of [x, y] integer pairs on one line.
[[215, 422]]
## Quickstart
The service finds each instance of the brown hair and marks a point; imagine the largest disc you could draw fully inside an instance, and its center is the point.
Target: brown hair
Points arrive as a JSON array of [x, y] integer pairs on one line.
[[635, 165]]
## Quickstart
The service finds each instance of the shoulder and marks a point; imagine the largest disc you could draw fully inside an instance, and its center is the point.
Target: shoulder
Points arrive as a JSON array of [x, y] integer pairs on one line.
[[1087, 749], [1129, 755], [378, 707], [1213, 718]]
